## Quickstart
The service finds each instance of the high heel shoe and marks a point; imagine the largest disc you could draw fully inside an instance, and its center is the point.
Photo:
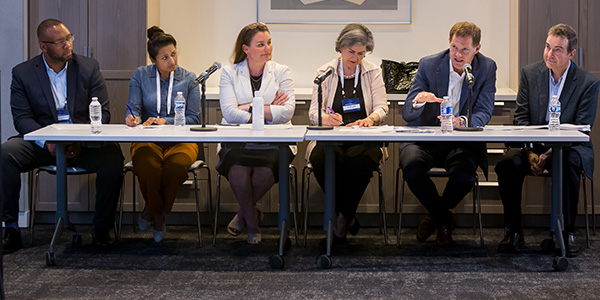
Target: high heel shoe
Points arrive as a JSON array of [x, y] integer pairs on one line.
[[254, 238], [353, 230], [143, 224], [235, 227], [159, 235]]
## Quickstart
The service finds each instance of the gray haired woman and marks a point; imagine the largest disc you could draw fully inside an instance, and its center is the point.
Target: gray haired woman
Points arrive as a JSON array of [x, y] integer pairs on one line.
[[354, 95]]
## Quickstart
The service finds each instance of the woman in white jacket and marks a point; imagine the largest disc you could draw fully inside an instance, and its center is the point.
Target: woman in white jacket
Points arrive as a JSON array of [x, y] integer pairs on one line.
[[354, 95], [252, 168]]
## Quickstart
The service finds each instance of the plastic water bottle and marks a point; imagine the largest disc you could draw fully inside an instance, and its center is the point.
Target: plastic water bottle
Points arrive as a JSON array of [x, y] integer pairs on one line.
[[96, 116], [258, 112], [179, 110], [554, 114], [446, 113]]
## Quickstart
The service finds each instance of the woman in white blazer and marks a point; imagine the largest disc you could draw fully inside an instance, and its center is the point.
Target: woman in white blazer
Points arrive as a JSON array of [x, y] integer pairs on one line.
[[252, 168], [354, 95]]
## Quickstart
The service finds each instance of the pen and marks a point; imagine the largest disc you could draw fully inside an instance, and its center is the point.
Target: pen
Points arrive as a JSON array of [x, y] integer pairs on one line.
[[333, 112], [130, 110]]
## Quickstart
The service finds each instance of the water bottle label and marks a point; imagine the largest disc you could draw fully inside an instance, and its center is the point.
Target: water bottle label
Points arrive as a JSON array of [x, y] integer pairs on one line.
[[446, 110], [554, 109], [179, 105]]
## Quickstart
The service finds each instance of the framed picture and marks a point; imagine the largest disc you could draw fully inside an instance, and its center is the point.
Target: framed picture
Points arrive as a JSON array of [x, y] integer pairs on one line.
[[334, 11]]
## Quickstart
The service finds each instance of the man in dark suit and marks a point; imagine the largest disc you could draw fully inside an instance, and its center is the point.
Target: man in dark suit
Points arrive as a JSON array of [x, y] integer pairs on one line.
[[578, 94], [57, 87], [442, 75]]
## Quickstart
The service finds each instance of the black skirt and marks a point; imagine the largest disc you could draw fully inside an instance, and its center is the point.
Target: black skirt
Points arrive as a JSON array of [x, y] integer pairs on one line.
[[237, 154]]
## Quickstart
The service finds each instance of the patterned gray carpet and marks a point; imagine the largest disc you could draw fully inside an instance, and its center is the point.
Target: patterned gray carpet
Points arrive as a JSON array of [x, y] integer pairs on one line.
[[364, 269]]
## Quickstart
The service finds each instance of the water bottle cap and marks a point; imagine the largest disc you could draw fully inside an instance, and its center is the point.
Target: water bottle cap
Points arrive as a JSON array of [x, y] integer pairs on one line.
[[94, 98], [446, 98], [257, 94], [179, 93]]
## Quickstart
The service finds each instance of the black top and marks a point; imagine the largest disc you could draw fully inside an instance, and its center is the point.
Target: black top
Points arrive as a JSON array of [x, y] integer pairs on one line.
[[255, 82], [349, 93]]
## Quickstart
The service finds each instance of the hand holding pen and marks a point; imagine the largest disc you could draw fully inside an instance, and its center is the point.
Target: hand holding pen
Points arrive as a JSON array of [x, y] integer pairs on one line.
[[335, 118], [131, 120]]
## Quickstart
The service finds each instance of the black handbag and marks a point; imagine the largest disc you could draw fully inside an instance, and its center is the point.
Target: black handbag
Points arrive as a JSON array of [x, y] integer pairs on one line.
[[398, 76]]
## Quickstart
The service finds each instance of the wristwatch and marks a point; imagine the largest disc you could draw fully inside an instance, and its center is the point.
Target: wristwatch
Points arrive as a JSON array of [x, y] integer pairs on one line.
[[372, 119], [250, 109]]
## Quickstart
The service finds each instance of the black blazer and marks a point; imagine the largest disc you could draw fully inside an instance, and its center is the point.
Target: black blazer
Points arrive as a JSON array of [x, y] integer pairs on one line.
[[31, 99], [578, 101]]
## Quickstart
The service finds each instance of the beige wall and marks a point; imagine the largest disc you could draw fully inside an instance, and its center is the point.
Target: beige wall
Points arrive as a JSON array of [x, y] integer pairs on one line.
[[206, 30]]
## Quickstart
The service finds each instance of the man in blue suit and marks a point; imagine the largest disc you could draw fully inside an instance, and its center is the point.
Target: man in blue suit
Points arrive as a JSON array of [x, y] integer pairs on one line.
[[442, 75], [57, 87], [577, 90]]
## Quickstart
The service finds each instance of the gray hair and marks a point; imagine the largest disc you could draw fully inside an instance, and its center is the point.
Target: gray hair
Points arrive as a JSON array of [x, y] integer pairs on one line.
[[355, 34]]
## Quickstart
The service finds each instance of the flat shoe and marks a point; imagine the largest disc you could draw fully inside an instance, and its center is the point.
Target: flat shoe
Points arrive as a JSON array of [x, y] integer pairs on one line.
[[143, 224], [159, 235], [235, 227], [254, 238]]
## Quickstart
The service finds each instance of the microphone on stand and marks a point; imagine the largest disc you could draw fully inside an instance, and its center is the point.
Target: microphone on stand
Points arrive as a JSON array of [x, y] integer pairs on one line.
[[202, 81], [470, 78], [469, 75], [204, 76], [324, 75], [318, 81]]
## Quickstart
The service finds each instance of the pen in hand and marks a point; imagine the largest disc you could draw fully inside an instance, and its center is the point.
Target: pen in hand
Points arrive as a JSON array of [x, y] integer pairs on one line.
[[131, 112], [333, 112]]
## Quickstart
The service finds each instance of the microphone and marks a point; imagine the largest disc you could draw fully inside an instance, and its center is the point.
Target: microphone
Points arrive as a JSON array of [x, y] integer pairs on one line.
[[470, 78], [324, 75], [204, 76]]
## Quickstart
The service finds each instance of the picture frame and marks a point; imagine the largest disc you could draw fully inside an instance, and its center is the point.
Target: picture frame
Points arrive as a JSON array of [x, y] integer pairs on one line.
[[334, 11]]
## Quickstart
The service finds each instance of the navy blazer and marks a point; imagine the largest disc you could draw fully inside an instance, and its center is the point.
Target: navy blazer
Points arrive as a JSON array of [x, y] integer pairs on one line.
[[578, 102], [433, 76], [31, 99]]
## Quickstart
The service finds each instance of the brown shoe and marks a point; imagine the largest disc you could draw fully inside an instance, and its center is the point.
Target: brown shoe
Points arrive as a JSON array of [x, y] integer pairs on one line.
[[426, 228], [444, 235]]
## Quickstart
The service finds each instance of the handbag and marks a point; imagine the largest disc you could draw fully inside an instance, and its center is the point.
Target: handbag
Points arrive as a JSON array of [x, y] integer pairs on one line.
[[398, 76]]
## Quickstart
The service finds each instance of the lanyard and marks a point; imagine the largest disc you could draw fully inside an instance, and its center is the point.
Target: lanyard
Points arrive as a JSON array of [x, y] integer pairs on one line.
[[342, 79], [170, 91]]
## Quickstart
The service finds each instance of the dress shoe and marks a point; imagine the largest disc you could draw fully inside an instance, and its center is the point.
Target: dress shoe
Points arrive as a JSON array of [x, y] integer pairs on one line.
[[426, 228], [572, 248], [11, 241], [101, 238], [353, 230], [444, 235], [513, 240]]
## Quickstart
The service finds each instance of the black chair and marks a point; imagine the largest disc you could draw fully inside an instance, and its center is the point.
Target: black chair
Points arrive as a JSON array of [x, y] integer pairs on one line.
[[51, 169], [193, 169], [437, 172], [308, 169], [293, 191], [585, 206]]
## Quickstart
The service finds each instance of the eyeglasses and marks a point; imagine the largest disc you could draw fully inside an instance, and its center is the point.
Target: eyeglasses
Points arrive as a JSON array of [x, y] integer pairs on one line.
[[70, 38]]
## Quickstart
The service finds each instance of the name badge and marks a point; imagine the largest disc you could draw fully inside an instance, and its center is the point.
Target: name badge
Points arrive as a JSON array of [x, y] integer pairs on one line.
[[63, 116], [351, 105]]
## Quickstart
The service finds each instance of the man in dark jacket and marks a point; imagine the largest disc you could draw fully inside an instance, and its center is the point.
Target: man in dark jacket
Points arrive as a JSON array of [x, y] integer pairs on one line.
[[57, 87]]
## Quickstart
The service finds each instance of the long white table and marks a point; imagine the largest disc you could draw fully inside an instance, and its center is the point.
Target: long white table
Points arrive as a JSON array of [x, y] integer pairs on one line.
[[63, 134], [556, 140]]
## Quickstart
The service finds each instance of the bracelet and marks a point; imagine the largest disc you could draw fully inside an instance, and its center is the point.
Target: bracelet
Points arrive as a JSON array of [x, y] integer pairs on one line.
[[372, 119]]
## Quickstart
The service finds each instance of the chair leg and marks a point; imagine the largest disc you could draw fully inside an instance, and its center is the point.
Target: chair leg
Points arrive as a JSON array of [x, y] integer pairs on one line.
[[396, 201], [478, 190], [197, 208], [133, 213], [121, 208], [294, 195], [216, 226], [382, 207], [585, 208], [593, 208], [305, 205], [34, 199], [400, 208], [210, 200]]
